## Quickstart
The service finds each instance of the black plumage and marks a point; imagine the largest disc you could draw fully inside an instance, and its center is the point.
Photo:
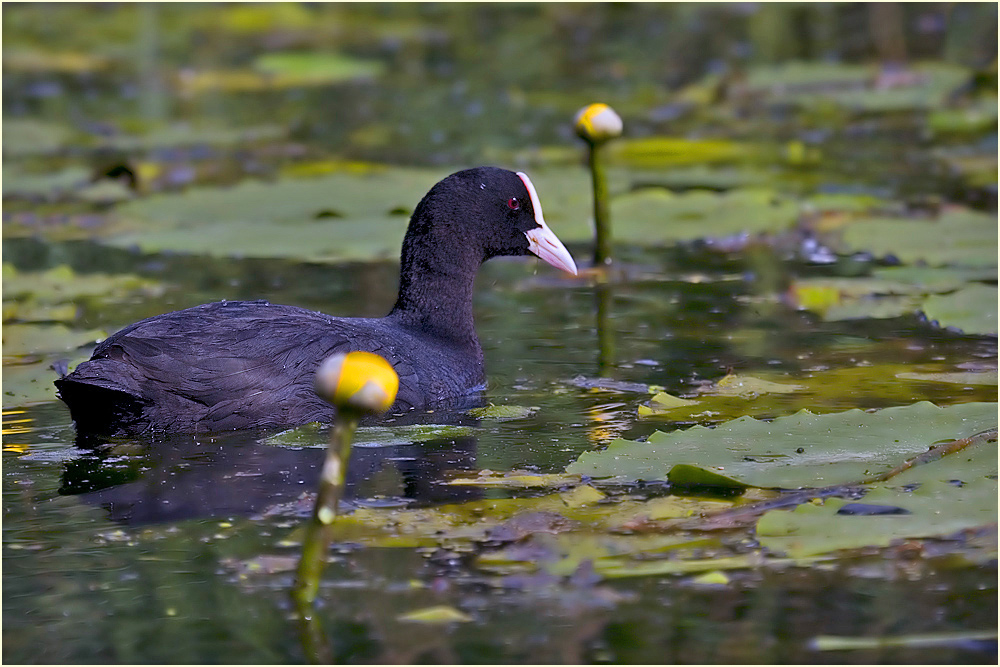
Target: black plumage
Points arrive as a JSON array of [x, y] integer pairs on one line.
[[250, 364]]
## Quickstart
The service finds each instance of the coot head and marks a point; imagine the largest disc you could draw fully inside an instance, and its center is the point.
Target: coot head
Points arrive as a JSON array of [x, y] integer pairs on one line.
[[482, 213]]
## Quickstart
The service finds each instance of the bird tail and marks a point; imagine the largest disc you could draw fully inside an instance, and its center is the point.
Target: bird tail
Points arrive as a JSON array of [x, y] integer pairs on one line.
[[101, 398]]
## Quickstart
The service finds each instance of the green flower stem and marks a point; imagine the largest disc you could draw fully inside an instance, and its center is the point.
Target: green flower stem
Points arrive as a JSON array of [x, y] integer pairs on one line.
[[602, 215], [319, 530]]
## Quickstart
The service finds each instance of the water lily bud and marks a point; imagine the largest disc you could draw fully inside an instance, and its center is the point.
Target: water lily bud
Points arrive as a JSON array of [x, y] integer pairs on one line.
[[597, 123], [361, 381]]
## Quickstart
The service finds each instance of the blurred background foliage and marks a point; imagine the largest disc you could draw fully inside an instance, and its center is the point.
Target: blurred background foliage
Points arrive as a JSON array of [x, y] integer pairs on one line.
[[373, 81]]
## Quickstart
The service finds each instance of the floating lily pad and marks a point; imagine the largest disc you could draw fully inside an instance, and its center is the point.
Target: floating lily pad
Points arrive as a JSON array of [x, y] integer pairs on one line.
[[972, 309], [32, 311], [801, 450], [24, 339], [747, 386], [975, 461], [936, 508], [687, 476], [28, 384], [48, 184], [562, 555], [61, 284], [24, 136], [857, 87], [318, 435], [28, 379], [704, 177], [280, 219], [959, 236], [516, 479], [478, 520], [819, 391], [435, 616], [676, 151], [503, 412], [664, 402], [972, 119], [37, 60], [281, 70], [934, 279], [964, 378], [891, 292], [656, 215], [917, 641], [180, 135], [582, 495], [304, 68]]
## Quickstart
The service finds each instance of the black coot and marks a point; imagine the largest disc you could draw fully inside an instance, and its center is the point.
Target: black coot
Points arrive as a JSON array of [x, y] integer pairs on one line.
[[250, 364]]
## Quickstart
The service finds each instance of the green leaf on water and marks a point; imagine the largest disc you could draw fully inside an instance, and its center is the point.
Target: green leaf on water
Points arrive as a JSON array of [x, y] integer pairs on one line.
[[964, 378], [516, 479], [16, 181], [435, 615], [896, 291], [973, 309], [318, 435], [502, 412], [859, 88], [582, 495], [747, 386], [655, 215], [24, 339], [712, 578], [658, 152], [835, 448], [818, 391], [256, 219], [27, 136], [663, 403], [958, 236], [61, 284], [923, 640], [297, 68], [687, 476], [936, 508]]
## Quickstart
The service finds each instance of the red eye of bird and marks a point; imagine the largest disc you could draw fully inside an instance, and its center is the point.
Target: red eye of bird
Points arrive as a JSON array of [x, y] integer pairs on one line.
[[513, 203]]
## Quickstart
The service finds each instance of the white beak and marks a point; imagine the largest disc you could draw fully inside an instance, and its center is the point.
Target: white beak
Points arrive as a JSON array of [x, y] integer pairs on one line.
[[541, 240]]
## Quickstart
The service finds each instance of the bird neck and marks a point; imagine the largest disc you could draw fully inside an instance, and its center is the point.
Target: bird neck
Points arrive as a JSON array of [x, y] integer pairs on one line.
[[435, 291]]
